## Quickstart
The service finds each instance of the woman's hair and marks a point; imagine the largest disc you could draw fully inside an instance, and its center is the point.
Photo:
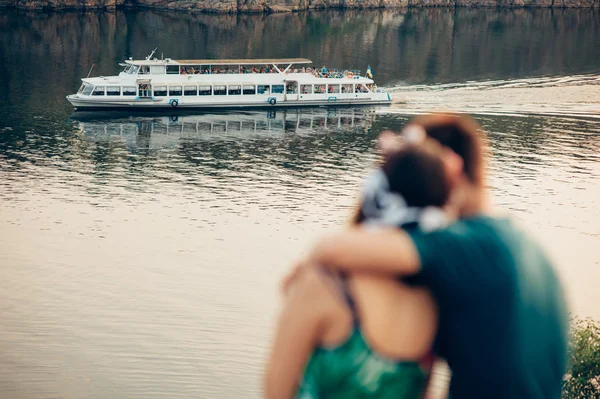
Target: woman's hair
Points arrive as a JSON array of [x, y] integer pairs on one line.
[[416, 172]]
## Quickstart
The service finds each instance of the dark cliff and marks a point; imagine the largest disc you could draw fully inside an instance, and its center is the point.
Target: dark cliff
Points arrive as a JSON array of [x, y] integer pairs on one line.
[[267, 6]]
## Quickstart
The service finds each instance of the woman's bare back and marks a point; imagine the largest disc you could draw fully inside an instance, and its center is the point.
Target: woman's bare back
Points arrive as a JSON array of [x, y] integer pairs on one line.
[[398, 321]]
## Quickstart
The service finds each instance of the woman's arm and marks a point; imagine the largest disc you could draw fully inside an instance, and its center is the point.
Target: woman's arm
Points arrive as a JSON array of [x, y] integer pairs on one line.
[[298, 332]]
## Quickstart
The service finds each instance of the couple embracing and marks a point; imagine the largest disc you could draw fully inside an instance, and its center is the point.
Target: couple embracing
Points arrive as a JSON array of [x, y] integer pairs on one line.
[[424, 271]]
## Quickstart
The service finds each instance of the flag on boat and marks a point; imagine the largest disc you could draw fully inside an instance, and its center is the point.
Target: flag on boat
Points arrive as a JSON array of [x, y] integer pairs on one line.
[[369, 72]]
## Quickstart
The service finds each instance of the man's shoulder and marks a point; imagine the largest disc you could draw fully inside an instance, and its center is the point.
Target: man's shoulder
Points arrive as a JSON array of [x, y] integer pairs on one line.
[[475, 228], [482, 221], [469, 242], [502, 242], [493, 233]]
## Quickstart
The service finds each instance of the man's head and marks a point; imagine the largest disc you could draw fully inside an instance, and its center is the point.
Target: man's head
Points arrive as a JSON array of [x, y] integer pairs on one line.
[[460, 134], [464, 155]]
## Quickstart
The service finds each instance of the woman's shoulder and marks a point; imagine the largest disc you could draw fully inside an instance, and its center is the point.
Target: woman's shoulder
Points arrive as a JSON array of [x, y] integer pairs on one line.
[[315, 283], [321, 292]]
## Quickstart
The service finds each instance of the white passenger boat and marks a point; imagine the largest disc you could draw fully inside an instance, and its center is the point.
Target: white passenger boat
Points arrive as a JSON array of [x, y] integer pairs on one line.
[[166, 83]]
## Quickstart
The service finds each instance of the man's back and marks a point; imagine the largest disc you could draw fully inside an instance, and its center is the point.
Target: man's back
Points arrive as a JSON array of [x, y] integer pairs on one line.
[[503, 321]]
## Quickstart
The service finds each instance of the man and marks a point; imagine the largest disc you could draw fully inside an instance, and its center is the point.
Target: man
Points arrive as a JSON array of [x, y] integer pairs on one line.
[[502, 326]]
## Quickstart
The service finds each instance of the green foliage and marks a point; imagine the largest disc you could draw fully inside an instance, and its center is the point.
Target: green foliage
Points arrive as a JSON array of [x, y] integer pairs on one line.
[[582, 380]]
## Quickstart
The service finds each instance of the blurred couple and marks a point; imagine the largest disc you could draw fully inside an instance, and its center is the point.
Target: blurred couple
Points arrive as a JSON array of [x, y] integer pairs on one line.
[[424, 271]]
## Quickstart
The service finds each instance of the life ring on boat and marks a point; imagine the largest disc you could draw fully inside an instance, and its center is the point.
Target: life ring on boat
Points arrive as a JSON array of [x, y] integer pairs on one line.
[[350, 75], [272, 101], [174, 103]]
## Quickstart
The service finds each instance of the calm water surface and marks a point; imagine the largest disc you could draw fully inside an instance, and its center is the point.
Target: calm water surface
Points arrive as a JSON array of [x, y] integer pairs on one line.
[[141, 253]]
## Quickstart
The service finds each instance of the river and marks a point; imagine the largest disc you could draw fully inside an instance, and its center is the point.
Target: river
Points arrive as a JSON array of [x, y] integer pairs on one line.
[[141, 253]]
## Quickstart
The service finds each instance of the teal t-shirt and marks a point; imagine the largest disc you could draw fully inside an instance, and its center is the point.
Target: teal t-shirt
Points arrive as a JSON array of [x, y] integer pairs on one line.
[[503, 320]]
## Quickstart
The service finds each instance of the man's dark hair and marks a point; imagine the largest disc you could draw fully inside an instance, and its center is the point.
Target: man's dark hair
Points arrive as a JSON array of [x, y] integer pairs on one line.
[[460, 134]]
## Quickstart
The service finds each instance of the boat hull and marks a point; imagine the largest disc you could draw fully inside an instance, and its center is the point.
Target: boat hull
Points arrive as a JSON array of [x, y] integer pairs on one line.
[[84, 103]]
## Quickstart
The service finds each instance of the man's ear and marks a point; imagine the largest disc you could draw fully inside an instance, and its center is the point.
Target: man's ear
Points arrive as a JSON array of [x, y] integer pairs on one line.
[[388, 142]]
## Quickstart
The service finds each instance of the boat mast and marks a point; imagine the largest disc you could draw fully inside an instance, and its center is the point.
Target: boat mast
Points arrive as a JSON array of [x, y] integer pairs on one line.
[[151, 54], [88, 75]]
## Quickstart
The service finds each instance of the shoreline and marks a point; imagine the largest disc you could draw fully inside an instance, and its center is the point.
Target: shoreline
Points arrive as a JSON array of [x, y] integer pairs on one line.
[[266, 7]]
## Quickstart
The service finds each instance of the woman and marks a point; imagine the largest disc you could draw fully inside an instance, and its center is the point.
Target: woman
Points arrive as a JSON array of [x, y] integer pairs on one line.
[[365, 336]]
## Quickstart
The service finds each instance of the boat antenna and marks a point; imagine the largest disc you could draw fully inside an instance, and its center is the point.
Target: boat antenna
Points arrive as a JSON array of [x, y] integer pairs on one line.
[[152, 53], [88, 75]]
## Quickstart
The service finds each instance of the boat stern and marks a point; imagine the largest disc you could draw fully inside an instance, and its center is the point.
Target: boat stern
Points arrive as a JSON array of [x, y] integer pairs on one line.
[[382, 97]]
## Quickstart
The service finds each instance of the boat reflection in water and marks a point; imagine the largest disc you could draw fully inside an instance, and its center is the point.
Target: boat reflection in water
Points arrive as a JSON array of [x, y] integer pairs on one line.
[[164, 130]]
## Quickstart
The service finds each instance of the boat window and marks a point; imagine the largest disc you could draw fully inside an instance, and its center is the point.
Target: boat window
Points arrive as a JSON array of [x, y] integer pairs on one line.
[[277, 89], [190, 90], [219, 90], [160, 91], [361, 89], [157, 69], [172, 69], [144, 70], [87, 90], [133, 70], [81, 88], [305, 89], [204, 91], [144, 90], [249, 89], [126, 69], [333, 88], [262, 89], [129, 91], [113, 91], [347, 88], [346, 121], [175, 90], [190, 70], [235, 90], [319, 89], [98, 91], [290, 88]]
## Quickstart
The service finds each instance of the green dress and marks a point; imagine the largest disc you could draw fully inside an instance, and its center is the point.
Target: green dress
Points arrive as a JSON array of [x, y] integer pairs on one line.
[[352, 370]]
